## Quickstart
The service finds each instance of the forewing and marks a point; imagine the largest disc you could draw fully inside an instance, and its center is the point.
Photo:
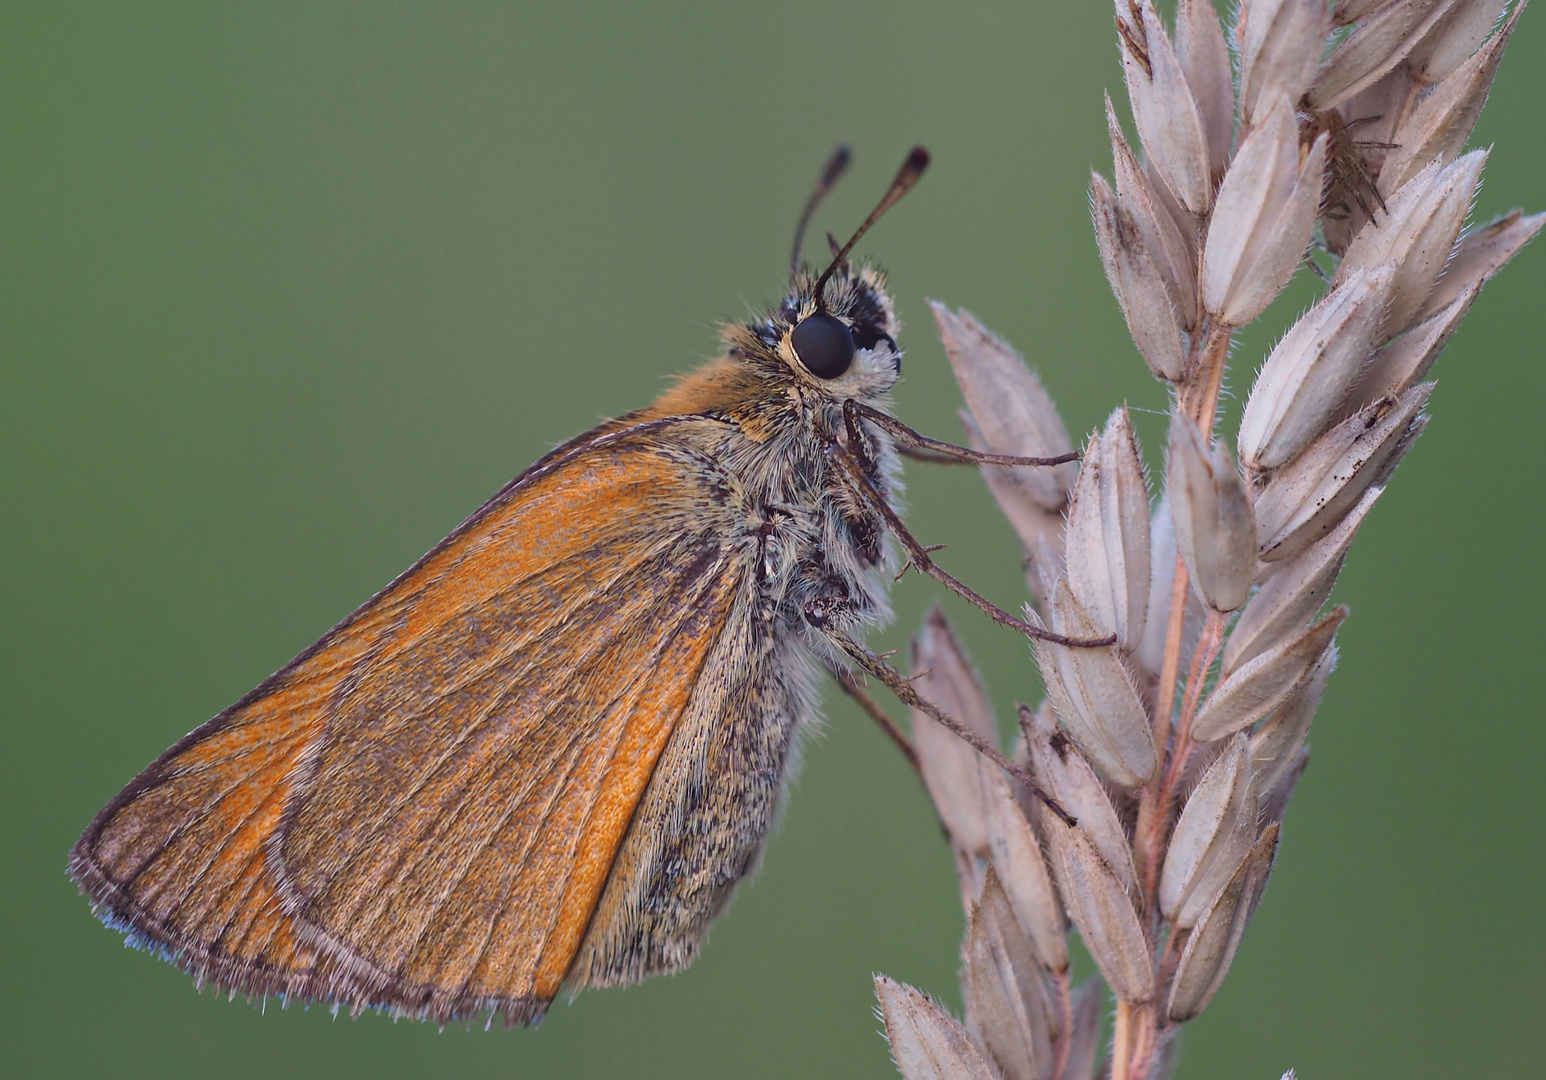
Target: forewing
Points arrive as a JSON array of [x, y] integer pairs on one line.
[[420, 812]]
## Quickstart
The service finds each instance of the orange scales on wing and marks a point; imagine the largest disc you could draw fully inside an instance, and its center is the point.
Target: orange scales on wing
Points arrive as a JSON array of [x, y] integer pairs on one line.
[[448, 775]]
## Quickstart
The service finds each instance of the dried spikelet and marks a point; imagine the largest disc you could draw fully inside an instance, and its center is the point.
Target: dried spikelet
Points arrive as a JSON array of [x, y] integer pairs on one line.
[[1177, 748]]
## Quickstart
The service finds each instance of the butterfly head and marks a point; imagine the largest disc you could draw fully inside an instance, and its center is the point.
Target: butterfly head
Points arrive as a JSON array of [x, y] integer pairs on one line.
[[835, 333], [840, 341]]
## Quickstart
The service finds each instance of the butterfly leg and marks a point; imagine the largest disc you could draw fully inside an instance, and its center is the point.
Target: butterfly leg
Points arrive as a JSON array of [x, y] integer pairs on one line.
[[872, 709], [920, 447], [850, 469], [899, 685]]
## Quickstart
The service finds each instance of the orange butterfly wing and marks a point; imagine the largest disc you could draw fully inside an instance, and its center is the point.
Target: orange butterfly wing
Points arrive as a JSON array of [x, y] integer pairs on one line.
[[420, 812]]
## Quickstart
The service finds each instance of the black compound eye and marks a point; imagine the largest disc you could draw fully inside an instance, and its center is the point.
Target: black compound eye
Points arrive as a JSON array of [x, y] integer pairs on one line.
[[824, 345]]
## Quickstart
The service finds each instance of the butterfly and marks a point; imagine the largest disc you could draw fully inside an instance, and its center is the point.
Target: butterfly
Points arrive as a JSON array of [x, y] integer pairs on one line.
[[544, 756]]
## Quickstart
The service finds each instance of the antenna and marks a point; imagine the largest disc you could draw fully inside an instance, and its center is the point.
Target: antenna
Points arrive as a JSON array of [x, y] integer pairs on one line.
[[906, 177], [836, 165]]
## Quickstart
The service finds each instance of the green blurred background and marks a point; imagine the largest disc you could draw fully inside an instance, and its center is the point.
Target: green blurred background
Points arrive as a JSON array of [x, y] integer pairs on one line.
[[289, 289]]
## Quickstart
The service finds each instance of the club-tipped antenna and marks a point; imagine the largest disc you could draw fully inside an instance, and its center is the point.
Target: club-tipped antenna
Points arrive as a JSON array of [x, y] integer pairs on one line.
[[835, 167], [906, 177]]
